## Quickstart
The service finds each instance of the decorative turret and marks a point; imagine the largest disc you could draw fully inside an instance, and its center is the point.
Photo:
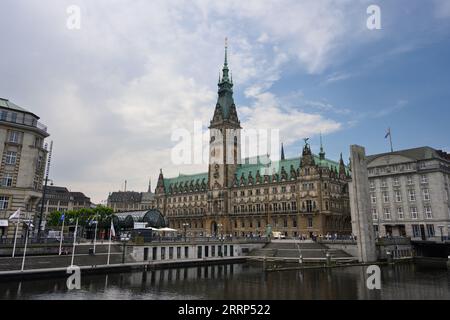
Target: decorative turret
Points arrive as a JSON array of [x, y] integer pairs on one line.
[[282, 152], [341, 166], [160, 185]]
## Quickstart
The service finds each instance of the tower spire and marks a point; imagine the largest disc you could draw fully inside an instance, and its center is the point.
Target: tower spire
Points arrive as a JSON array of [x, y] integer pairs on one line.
[[282, 152], [321, 153], [225, 69]]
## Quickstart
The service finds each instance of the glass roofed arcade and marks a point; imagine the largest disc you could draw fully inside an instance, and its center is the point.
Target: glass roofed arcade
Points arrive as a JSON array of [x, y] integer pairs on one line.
[[126, 220]]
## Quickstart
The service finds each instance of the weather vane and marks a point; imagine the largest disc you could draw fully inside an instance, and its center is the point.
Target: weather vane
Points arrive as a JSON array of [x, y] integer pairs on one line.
[[306, 140]]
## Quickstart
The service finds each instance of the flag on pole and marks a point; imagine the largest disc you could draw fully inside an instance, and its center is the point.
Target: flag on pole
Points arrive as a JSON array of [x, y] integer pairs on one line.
[[15, 215], [63, 217], [113, 232], [388, 133]]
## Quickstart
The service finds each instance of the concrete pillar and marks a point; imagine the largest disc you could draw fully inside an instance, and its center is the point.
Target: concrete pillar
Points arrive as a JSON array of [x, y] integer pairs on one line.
[[362, 224]]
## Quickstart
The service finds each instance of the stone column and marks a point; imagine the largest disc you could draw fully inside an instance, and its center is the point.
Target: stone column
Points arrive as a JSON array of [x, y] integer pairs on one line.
[[362, 224]]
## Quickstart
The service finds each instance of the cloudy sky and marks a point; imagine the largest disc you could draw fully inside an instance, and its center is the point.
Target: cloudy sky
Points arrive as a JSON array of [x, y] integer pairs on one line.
[[113, 91]]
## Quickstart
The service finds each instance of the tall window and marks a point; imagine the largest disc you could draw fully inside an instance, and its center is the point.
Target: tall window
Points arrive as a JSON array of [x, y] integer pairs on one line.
[[428, 212], [373, 198], [412, 195], [7, 180], [372, 184], [398, 196], [4, 202], [384, 183], [400, 213], [413, 211], [416, 230], [374, 214], [310, 222], [11, 157], [424, 179], [430, 230], [410, 180], [14, 136], [426, 194], [387, 213], [385, 197], [396, 182]]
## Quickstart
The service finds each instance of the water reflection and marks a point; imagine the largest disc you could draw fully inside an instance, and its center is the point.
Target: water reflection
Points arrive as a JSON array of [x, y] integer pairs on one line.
[[242, 281]]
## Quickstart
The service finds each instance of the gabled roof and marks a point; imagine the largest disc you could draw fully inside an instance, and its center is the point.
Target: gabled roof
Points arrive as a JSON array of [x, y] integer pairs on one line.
[[125, 196]]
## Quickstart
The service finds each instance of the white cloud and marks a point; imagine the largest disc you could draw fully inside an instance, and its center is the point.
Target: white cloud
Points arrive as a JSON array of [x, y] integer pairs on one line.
[[112, 92]]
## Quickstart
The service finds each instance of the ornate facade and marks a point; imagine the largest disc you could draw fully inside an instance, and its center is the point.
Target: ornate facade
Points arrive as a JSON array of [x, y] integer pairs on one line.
[[303, 196]]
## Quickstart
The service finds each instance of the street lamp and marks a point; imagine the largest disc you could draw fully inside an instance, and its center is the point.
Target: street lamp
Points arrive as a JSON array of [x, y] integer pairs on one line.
[[185, 226]]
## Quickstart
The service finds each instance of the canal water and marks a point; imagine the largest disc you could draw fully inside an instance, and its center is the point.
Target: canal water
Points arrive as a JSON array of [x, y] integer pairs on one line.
[[242, 281]]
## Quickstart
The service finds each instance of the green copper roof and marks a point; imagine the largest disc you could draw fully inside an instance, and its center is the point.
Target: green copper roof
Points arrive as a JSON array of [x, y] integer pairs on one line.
[[250, 167], [182, 179]]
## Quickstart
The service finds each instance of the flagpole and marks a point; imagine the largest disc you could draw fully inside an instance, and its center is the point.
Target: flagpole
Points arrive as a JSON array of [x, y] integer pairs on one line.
[[62, 234], [24, 250], [15, 236], [109, 246], [390, 139], [74, 241], [95, 234]]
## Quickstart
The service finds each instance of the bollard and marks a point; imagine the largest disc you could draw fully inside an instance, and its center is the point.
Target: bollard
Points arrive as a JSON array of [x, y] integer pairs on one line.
[[389, 256]]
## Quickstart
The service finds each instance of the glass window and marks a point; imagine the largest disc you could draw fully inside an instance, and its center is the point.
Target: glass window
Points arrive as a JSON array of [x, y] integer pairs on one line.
[[413, 211], [374, 214], [387, 213], [430, 230], [424, 179], [426, 194], [400, 213], [398, 196], [7, 180], [14, 136], [428, 212], [412, 195], [385, 197], [310, 222], [373, 198], [11, 157], [416, 230], [4, 202]]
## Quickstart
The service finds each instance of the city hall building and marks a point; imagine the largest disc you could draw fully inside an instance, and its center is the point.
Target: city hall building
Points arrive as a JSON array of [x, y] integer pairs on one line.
[[303, 196]]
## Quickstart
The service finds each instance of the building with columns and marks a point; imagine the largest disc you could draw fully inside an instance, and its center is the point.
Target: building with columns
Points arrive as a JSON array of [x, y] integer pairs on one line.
[[409, 193], [22, 165], [306, 195]]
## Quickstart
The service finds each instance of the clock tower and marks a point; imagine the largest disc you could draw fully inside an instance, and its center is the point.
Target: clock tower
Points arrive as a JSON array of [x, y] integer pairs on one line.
[[224, 148]]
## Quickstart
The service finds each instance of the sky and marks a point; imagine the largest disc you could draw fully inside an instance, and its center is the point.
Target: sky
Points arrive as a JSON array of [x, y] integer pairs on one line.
[[113, 91]]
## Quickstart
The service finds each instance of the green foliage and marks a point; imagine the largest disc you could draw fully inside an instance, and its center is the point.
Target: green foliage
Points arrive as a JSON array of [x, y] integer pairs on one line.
[[85, 216]]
